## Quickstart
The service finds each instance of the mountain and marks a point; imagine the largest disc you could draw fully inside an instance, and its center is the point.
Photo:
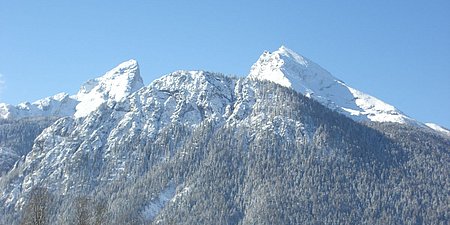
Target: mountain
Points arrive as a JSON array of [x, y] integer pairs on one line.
[[113, 86], [289, 69], [194, 147], [58, 105]]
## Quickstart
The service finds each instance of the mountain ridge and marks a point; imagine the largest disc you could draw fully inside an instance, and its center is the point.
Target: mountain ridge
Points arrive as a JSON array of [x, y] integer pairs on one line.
[[292, 70], [283, 66], [194, 143], [113, 86]]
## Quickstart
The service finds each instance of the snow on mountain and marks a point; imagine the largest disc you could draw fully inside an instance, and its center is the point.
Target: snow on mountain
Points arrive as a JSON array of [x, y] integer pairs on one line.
[[438, 128], [111, 87], [58, 105], [119, 127], [284, 67], [182, 98], [292, 70], [153, 208]]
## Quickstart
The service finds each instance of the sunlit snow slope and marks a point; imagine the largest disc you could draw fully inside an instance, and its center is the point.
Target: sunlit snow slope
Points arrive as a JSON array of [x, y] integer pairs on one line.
[[292, 70], [111, 87], [438, 128], [283, 66]]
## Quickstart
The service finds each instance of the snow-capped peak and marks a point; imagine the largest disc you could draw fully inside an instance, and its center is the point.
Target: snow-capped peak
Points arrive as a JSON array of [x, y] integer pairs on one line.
[[292, 70], [288, 52], [113, 86]]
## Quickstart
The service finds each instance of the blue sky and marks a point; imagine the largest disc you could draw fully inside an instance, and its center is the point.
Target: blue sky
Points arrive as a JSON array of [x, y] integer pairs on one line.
[[398, 51]]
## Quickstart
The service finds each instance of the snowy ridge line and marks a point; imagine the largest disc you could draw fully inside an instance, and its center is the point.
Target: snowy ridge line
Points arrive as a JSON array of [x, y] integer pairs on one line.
[[438, 128], [283, 66], [114, 86], [292, 70]]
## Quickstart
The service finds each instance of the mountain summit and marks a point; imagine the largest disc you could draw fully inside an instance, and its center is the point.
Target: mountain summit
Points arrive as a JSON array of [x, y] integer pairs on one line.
[[289, 69], [113, 86], [283, 66]]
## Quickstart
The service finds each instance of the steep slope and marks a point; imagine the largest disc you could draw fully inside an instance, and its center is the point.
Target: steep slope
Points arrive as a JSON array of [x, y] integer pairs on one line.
[[95, 150], [287, 68], [17, 138], [111, 87], [182, 97], [114, 86], [21, 124]]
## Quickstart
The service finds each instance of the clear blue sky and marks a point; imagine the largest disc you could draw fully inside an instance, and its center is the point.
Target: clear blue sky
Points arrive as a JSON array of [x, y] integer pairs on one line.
[[398, 51]]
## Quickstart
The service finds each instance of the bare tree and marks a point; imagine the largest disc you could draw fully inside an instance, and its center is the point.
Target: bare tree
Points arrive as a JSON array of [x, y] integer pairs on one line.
[[100, 210], [88, 211], [82, 211], [36, 211]]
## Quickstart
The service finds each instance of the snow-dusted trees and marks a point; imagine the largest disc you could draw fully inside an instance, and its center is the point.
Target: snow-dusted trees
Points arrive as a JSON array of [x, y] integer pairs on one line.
[[292, 162], [16, 139]]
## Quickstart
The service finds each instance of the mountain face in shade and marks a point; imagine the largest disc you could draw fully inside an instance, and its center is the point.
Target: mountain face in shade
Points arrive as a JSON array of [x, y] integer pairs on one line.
[[289, 144]]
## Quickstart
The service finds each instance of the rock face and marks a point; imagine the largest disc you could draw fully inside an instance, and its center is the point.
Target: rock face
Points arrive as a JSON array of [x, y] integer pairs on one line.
[[17, 138], [197, 147], [114, 86]]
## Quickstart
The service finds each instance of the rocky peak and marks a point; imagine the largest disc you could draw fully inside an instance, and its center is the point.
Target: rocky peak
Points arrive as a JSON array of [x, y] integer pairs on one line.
[[115, 85]]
